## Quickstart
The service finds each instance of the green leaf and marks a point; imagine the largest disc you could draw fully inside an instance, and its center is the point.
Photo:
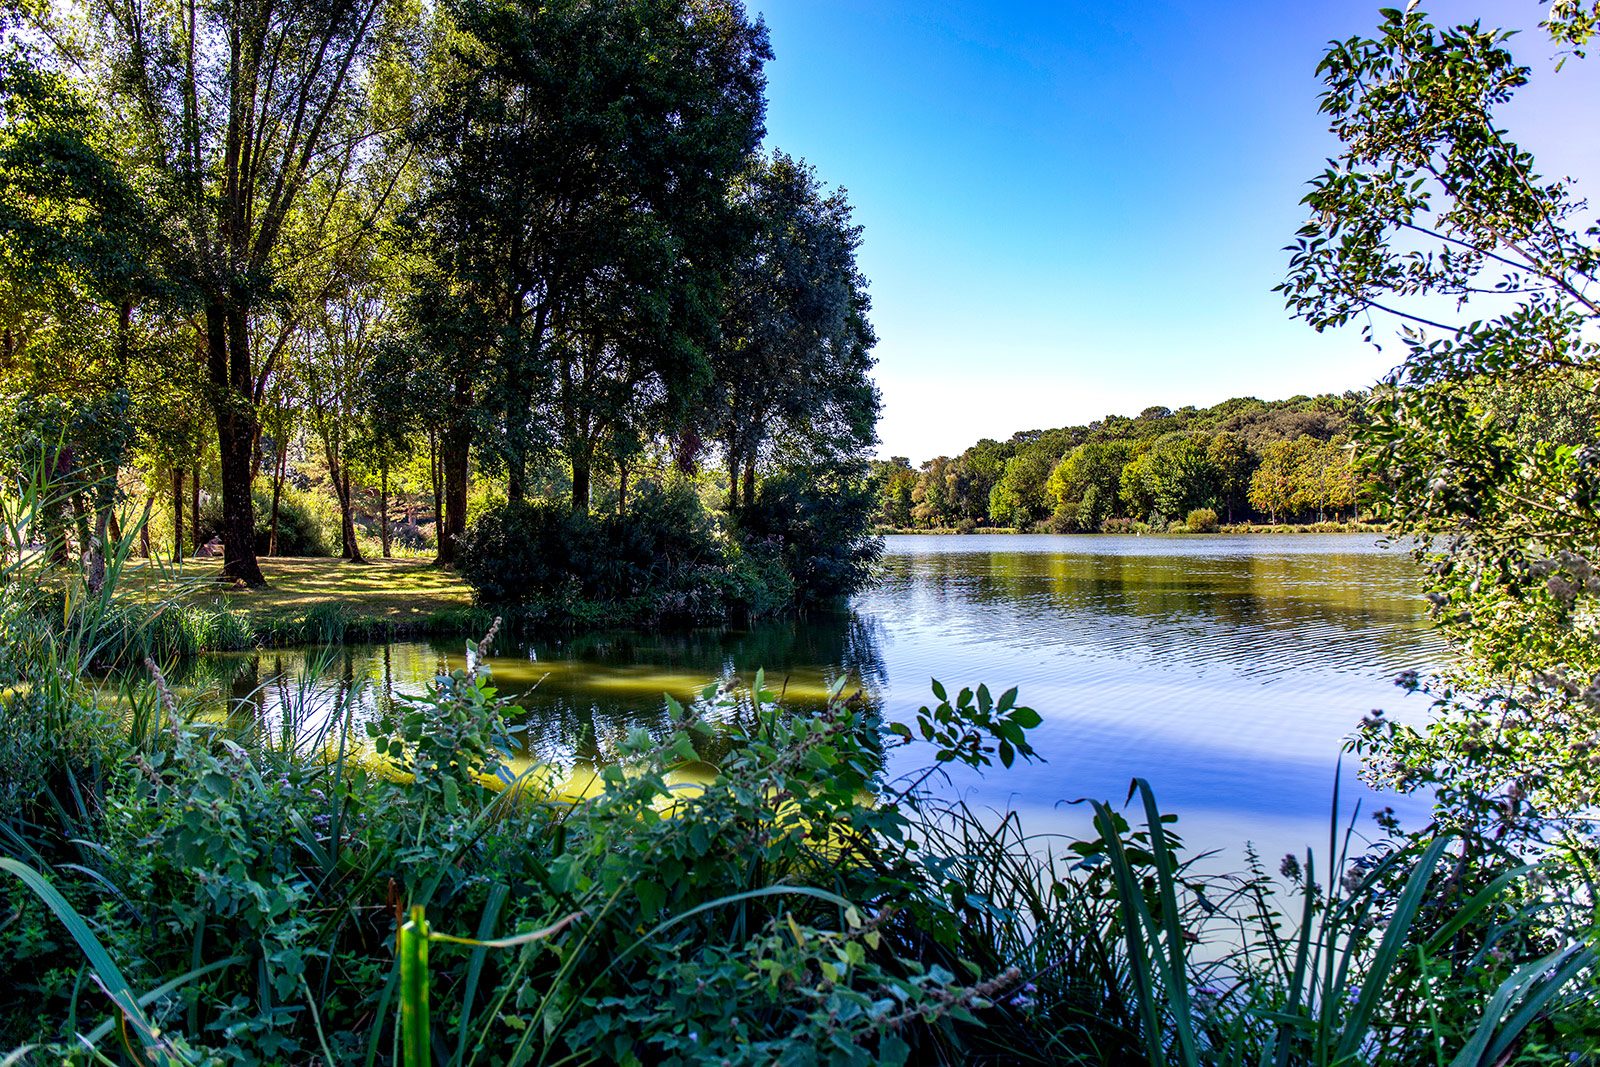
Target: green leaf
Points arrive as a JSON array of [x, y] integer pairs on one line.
[[1026, 718], [111, 979], [651, 896]]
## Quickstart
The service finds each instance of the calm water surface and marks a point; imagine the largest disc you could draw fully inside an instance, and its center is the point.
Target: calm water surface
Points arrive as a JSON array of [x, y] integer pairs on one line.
[[1226, 670]]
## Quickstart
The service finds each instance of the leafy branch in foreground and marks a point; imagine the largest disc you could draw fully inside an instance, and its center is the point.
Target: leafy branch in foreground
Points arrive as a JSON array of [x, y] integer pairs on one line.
[[1482, 444]]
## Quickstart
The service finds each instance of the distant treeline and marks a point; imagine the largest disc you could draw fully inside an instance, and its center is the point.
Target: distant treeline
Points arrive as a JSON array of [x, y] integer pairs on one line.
[[1243, 460]]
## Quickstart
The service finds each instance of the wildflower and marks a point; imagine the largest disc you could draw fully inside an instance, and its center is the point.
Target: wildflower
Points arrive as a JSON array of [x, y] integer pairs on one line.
[[1290, 867]]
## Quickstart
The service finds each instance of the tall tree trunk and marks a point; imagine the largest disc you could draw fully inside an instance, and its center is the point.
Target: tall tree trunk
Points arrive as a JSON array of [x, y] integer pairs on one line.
[[194, 501], [177, 514], [622, 487], [383, 506], [347, 508], [455, 451], [279, 472], [144, 525], [228, 342], [436, 482], [733, 481], [515, 478], [749, 482], [580, 478], [339, 475]]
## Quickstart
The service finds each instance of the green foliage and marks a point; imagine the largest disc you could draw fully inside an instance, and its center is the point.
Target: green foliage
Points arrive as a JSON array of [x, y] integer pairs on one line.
[[1152, 469], [1017, 499], [792, 372], [818, 521], [663, 560], [303, 525], [1169, 478], [517, 552], [1482, 443], [805, 538], [1201, 520]]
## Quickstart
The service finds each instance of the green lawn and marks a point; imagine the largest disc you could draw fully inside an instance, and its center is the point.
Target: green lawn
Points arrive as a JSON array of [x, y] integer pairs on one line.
[[400, 591]]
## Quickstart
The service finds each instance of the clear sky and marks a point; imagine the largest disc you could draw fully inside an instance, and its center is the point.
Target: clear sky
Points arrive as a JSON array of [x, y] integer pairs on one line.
[[1076, 209]]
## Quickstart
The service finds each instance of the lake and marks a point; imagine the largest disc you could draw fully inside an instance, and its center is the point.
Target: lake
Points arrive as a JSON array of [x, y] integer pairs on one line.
[[1227, 670]]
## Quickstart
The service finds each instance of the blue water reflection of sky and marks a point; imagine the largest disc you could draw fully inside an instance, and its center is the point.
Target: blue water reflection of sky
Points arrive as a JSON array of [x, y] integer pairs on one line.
[[1226, 671]]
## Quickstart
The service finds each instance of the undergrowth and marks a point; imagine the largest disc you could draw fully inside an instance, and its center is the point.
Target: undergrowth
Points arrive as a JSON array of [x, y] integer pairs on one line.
[[405, 889]]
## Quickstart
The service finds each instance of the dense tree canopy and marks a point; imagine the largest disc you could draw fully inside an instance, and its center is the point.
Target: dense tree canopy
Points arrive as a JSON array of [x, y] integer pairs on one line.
[[375, 266], [1153, 470]]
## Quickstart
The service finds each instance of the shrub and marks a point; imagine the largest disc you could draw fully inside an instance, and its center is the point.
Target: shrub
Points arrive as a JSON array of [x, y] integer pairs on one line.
[[663, 560], [518, 554], [820, 519], [1064, 520], [1202, 520], [304, 524], [664, 541]]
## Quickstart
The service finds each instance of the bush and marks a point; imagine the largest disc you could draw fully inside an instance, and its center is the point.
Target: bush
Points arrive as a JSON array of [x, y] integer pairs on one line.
[[1202, 520], [518, 554], [302, 531], [663, 560], [664, 540], [820, 520]]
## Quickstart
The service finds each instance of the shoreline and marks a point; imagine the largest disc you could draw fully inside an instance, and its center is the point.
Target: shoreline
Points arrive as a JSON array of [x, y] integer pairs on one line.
[[1145, 531]]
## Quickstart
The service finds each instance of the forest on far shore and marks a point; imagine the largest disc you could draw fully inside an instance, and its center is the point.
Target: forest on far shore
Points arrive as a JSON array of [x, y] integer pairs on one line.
[[1243, 460]]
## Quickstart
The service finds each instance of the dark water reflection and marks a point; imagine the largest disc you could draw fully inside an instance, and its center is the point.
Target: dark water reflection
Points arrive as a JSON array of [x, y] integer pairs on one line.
[[1227, 670]]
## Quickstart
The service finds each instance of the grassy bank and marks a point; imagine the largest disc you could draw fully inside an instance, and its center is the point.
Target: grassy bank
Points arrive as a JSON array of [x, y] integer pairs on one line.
[[306, 600]]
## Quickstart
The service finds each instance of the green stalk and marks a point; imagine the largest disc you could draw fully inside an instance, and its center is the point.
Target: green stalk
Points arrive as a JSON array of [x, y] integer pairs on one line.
[[414, 1028]]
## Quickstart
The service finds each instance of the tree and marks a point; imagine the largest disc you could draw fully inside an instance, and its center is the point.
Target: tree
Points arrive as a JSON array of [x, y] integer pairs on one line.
[[335, 359], [973, 477], [233, 109], [79, 289], [570, 227], [896, 483], [793, 371], [931, 496], [1232, 463], [1083, 487], [1277, 486], [1430, 202], [1018, 498], [1170, 478]]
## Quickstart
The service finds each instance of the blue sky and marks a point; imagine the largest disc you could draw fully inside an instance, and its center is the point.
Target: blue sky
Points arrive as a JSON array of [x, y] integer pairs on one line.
[[1073, 209]]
